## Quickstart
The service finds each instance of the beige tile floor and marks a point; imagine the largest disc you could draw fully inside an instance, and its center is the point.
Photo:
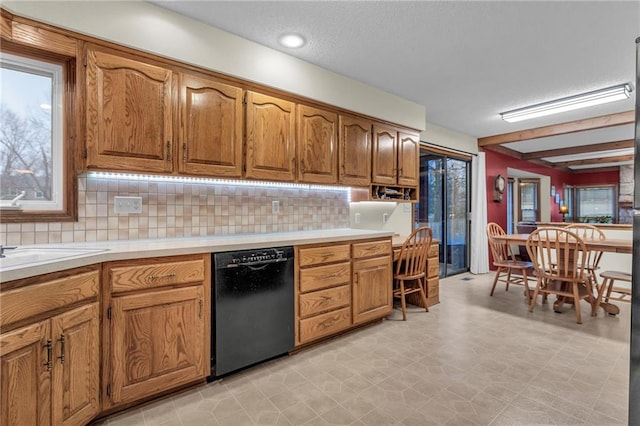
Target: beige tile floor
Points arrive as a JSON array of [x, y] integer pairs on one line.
[[472, 360]]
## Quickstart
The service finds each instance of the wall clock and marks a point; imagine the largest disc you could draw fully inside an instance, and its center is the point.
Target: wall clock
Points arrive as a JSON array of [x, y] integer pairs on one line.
[[499, 185]]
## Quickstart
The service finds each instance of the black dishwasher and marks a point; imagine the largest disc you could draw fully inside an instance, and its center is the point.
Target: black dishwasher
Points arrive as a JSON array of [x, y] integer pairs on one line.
[[253, 318]]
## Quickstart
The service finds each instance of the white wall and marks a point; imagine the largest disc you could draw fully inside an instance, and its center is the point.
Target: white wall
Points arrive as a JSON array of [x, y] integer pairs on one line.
[[153, 29], [449, 138], [371, 216]]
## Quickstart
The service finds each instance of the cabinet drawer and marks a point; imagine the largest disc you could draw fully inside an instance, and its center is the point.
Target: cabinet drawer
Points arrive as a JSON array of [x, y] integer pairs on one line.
[[25, 302], [433, 269], [434, 250], [327, 254], [432, 287], [324, 324], [325, 276], [370, 249], [324, 300], [128, 278]]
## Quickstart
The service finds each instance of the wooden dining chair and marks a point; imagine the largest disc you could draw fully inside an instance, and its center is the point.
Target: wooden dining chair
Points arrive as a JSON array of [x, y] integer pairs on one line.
[[505, 261], [559, 266], [411, 268], [590, 232]]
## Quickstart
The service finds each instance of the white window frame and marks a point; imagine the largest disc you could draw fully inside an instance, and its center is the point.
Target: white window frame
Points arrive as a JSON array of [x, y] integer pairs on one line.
[[56, 73]]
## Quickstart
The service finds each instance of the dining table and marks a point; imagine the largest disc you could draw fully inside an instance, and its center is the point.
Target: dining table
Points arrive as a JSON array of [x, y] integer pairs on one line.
[[607, 245]]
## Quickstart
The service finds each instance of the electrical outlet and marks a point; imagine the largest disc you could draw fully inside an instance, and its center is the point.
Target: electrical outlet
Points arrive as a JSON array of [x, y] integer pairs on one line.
[[126, 205], [356, 218], [275, 207], [385, 217]]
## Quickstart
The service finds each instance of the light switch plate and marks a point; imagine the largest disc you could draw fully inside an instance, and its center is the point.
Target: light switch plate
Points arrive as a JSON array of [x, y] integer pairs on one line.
[[126, 205]]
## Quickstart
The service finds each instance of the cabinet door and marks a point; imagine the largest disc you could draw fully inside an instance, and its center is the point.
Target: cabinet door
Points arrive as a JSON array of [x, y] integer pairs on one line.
[[271, 152], [408, 152], [210, 127], [317, 145], [25, 378], [385, 143], [372, 284], [76, 371], [129, 114], [355, 151], [158, 342]]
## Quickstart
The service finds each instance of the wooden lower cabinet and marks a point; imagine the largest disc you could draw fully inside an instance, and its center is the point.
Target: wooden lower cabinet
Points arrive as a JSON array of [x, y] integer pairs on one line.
[[25, 392], [323, 291], [372, 280], [433, 281], [50, 369], [158, 335], [341, 285]]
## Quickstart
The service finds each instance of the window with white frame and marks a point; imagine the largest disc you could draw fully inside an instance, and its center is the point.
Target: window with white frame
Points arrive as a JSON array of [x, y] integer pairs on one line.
[[31, 132], [596, 203]]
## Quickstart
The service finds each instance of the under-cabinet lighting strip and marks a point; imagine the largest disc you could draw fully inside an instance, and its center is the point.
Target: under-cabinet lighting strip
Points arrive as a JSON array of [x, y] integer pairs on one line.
[[209, 181]]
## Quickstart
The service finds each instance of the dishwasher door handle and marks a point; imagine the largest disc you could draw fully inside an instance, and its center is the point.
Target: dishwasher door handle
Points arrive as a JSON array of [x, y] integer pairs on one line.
[[257, 265]]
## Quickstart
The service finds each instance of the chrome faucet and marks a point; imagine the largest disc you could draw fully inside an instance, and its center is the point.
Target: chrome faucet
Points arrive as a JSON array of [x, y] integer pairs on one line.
[[3, 248], [14, 202]]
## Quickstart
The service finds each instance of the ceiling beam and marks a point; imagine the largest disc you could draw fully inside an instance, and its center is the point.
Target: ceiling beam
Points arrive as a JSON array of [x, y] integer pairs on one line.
[[588, 161], [598, 170], [610, 120], [515, 154], [597, 147]]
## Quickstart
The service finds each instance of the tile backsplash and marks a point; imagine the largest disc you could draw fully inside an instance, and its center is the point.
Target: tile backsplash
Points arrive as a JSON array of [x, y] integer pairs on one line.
[[175, 208]]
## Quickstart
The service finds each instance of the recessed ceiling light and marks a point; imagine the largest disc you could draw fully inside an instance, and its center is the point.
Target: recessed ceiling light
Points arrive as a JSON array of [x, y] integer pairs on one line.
[[291, 40]]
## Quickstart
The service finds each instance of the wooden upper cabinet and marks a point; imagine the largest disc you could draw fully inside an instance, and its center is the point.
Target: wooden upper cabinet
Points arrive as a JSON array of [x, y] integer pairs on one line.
[[210, 127], [129, 114], [270, 143], [385, 145], [408, 152], [354, 161], [317, 145]]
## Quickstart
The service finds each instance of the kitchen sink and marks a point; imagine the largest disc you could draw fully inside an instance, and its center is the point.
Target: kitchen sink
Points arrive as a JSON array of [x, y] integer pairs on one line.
[[25, 255]]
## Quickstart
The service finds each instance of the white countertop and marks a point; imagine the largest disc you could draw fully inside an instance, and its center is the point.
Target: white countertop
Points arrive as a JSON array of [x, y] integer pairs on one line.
[[138, 249]]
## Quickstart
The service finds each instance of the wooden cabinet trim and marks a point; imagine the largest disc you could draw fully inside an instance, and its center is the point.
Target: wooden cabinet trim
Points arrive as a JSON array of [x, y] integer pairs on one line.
[[324, 325], [325, 300], [37, 299], [371, 249], [134, 276], [324, 276], [309, 256]]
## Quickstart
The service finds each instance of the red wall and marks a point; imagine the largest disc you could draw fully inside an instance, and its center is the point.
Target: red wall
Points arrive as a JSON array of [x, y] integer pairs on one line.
[[497, 163]]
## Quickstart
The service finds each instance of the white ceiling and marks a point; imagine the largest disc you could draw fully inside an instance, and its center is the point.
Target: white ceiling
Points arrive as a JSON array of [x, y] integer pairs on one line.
[[464, 61]]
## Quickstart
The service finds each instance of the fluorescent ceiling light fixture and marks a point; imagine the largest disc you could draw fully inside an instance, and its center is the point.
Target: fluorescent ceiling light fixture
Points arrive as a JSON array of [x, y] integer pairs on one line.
[[291, 40], [570, 103]]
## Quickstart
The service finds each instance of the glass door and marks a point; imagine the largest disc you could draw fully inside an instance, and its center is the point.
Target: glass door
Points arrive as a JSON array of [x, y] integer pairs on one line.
[[443, 206]]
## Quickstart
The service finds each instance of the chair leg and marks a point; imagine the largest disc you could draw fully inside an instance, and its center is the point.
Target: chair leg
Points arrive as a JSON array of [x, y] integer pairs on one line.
[[403, 302], [598, 299], [508, 279], [535, 296], [609, 288], [527, 292], [495, 281], [422, 281], [576, 303]]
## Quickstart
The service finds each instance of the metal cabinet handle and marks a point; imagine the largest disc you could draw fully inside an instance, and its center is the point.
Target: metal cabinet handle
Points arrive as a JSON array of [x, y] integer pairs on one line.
[[49, 347], [184, 151], [168, 150], [61, 340]]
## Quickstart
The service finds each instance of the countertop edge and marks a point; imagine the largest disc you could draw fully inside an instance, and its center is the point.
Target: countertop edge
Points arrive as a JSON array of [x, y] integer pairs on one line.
[[142, 249]]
